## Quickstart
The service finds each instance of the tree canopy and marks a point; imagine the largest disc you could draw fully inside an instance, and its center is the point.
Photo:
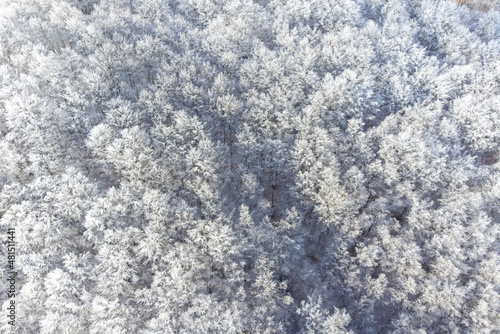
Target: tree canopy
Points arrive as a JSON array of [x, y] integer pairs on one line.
[[238, 166]]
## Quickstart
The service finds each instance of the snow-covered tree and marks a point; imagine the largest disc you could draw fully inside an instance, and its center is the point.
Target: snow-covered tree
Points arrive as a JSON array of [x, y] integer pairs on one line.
[[266, 166]]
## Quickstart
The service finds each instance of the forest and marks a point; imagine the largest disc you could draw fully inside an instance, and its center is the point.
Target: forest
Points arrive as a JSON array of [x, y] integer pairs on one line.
[[249, 166]]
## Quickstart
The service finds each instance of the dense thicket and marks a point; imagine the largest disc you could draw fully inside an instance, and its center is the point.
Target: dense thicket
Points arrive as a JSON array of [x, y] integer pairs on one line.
[[210, 166]]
